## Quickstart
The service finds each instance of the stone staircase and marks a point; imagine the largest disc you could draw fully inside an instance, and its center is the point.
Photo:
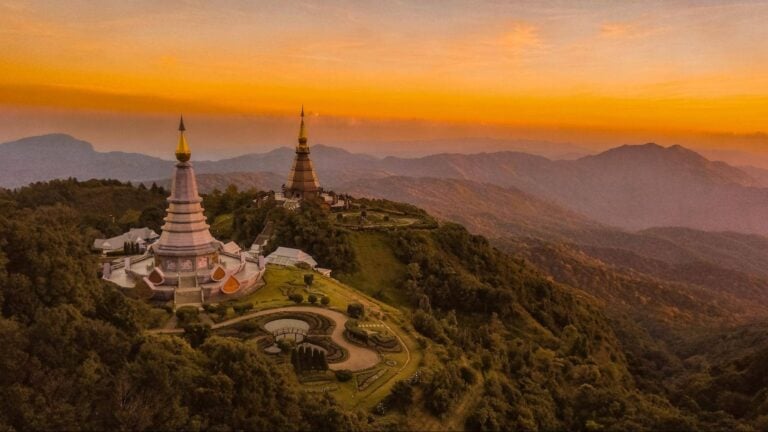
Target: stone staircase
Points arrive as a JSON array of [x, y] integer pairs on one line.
[[188, 293]]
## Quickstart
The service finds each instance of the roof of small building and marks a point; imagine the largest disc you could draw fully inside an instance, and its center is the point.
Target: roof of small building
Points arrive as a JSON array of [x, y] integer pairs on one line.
[[290, 256], [135, 235], [231, 247], [143, 233]]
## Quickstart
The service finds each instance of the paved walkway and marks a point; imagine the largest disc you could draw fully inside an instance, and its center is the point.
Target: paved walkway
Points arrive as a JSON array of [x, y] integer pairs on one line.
[[359, 357]]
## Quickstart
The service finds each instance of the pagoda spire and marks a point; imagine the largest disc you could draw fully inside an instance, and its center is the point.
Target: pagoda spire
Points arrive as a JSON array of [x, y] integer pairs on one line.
[[183, 153], [302, 180], [302, 130]]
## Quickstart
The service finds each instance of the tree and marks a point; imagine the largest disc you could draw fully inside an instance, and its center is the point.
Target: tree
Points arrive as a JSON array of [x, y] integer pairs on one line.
[[401, 395], [296, 298], [308, 279], [325, 300], [414, 271], [152, 218], [311, 230], [197, 333], [312, 298], [314, 359]]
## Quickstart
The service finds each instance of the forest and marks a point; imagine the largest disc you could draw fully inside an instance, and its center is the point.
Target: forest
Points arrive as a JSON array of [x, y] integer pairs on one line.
[[74, 353], [540, 355]]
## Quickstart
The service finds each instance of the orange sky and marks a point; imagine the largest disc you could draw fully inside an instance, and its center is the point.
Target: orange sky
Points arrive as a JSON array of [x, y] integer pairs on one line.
[[592, 73]]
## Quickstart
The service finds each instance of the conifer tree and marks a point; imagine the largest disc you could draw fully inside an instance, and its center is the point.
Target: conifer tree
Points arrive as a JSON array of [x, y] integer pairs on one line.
[[306, 364], [315, 359]]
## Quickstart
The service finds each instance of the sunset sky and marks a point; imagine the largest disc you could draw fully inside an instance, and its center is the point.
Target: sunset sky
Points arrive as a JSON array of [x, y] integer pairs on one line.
[[591, 73]]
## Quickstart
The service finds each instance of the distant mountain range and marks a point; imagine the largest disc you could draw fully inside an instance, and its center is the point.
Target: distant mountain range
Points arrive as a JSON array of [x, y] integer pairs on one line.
[[629, 187]]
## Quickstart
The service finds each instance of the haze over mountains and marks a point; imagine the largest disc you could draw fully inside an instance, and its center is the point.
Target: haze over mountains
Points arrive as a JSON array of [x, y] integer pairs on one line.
[[629, 187]]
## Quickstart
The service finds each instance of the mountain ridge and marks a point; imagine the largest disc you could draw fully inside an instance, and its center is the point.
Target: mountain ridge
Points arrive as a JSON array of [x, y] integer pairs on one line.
[[632, 187]]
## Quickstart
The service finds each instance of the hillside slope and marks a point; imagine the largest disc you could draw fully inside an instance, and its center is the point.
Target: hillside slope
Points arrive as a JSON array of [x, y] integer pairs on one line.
[[485, 208]]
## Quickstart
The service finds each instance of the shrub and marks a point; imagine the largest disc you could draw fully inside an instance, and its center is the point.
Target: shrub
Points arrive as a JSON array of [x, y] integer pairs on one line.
[[249, 326], [344, 375], [285, 345], [187, 315], [308, 279], [296, 298], [241, 308], [325, 300], [312, 298], [355, 310]]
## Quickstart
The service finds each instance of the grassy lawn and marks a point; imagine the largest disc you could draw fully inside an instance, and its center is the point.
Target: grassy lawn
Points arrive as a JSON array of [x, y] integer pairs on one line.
[[270, 295], [281, 281], [380, 271]]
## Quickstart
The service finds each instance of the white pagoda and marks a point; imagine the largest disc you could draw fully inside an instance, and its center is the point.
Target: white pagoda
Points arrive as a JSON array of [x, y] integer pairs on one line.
[[187, 263]]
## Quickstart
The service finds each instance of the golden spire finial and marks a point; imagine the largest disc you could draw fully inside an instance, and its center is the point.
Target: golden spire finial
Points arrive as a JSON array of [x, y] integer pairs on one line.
[[302, 129], [182, 150]]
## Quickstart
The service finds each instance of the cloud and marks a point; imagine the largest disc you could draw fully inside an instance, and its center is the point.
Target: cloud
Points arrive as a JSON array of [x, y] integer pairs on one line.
[[623, 30], [78, 98], [614, 30], [521, 37]]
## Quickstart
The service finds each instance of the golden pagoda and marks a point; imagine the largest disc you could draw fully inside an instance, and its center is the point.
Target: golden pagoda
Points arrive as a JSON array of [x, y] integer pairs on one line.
[[302, 180]]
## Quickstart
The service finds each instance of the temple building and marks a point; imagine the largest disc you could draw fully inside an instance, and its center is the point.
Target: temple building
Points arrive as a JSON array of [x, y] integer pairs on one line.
[[186, 263], [141, 237], [302, 180]]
